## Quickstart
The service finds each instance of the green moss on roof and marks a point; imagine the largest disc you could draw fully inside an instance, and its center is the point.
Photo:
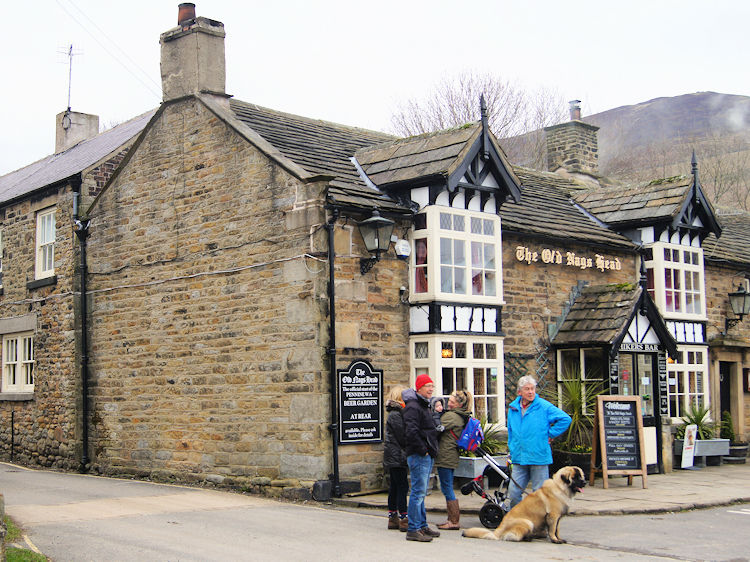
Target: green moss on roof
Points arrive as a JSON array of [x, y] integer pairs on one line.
[[662, 181]]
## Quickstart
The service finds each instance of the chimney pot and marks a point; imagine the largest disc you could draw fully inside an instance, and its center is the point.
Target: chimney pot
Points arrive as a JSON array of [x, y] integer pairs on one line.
[[575, 110], [186, 13]]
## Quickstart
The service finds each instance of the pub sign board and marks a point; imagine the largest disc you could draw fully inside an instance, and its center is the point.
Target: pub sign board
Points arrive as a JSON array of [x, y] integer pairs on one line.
[[360, 392]]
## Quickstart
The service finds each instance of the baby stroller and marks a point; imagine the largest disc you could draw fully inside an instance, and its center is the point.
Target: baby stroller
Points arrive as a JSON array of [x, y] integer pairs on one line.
[[495, 508]]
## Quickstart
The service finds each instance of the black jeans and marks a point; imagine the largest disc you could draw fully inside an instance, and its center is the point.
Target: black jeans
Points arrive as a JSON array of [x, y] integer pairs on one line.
[[398, 489]]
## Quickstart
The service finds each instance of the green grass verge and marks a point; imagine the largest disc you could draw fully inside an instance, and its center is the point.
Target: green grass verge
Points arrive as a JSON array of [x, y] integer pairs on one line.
[[13, 554]]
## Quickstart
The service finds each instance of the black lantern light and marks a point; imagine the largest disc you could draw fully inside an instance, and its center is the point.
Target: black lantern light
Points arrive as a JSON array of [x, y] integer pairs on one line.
[[740, 303], [376, 234]]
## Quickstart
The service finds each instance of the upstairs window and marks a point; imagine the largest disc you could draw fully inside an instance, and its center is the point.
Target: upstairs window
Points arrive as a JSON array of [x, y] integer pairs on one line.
[[45, 243], [674, 276], [460, 251]]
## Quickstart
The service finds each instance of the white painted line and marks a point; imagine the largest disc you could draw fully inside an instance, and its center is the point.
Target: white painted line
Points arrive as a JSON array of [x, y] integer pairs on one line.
[[742, 512]]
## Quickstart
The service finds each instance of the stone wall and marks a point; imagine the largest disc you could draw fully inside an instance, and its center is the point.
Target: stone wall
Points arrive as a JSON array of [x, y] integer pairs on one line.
[[44, 423], [372, 323], [573, 146], [207, 320], [734, 347], [537, 292]]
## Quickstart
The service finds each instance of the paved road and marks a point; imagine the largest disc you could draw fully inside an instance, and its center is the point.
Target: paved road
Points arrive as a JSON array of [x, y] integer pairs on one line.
[[75, 517]]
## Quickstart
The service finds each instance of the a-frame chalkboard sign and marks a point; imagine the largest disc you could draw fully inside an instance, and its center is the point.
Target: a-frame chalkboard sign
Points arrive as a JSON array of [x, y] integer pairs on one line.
[[617, 447]]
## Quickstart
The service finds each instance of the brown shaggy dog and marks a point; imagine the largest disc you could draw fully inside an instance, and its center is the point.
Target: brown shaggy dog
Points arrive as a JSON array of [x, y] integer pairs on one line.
[[539, 512]]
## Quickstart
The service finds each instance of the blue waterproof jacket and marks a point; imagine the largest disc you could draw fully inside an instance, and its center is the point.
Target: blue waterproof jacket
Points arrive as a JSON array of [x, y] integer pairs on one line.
[[528, 434]]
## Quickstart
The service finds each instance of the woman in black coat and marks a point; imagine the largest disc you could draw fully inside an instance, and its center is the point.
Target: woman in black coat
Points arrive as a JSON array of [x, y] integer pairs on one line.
[[394, 460]]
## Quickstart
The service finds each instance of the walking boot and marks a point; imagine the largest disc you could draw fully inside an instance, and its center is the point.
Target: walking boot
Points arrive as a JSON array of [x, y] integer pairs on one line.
[[454, 513], [430, 532], [417, 536], [403, 524], [393, 521]]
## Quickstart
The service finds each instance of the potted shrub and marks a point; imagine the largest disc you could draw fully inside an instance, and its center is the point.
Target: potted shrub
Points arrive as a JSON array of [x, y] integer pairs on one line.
[[737, 449], [706, 444], [577, 398]]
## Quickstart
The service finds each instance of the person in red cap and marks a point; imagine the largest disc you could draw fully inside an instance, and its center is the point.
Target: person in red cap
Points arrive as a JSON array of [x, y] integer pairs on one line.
[[421, 449]]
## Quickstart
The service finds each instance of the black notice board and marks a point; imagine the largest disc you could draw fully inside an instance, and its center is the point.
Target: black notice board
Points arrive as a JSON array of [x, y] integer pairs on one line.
[[360, 393], [618, 438]]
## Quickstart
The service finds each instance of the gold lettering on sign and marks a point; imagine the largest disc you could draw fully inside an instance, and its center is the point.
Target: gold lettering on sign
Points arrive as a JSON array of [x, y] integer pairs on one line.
[[569, 259]]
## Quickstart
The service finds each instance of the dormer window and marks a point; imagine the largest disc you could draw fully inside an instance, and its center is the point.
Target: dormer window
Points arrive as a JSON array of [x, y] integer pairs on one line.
[[456, 256], [674, 276]]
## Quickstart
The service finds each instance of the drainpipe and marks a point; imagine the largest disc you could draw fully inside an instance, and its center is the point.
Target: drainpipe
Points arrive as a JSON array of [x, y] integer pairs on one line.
[[81, 229], [334, 427]]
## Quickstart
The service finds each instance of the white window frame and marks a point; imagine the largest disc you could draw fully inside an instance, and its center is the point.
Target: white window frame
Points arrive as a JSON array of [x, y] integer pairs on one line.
[[18, 362], [588, 377], [687, 380], [427, 358], [466, 270], [45, 243], [682, 271]]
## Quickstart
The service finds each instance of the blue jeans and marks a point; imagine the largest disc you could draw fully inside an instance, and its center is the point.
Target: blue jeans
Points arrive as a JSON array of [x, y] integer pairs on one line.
[[420, 468], [521, 474], [445, 475]]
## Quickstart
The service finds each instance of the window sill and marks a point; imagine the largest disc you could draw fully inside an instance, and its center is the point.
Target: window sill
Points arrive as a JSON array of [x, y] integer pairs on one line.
[[16, 396], [38, 283]]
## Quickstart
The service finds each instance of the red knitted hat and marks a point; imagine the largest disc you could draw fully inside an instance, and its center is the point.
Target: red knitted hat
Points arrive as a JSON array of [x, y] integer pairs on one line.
[[422, 380]]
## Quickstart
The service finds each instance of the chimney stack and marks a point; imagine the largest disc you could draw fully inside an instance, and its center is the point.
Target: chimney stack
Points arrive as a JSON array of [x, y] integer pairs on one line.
[[575, 110], [72, 127], [192, 56], [573, 147]]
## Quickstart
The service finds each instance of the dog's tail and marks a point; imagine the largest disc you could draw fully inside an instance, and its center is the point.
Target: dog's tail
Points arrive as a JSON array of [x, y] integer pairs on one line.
[[479, 533]]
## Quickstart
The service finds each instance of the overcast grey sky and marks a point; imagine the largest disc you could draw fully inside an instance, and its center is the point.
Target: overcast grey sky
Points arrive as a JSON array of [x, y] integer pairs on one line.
[[352, 62]]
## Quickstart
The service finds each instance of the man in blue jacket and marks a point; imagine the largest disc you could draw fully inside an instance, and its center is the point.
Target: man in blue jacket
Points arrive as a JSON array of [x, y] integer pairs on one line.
[[532, 424]]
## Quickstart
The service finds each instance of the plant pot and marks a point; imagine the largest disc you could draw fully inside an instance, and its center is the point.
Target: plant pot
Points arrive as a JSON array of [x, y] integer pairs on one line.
[[570, 458], [738, 449]]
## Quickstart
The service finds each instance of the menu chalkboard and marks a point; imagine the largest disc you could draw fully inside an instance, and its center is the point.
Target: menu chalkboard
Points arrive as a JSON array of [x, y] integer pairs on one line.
[[618, 438], [621, 435]]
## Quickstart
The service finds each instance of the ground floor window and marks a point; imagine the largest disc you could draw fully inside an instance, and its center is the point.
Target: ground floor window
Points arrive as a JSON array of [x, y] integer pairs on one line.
[[687, 376], [464, 362], [580, 372], [18, 363]]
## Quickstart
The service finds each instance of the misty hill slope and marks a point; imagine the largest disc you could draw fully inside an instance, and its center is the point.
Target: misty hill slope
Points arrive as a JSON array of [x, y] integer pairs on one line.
[[680, 122]]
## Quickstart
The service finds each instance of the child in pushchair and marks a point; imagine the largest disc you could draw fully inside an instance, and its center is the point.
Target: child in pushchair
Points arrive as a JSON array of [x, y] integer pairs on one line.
[[493, 511]]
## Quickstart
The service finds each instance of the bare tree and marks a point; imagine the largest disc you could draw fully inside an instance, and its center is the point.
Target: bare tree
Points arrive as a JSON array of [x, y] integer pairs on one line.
[[512, 111]]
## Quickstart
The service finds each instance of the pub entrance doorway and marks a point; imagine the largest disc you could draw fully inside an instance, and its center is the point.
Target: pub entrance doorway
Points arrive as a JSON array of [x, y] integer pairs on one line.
[[638, 376]]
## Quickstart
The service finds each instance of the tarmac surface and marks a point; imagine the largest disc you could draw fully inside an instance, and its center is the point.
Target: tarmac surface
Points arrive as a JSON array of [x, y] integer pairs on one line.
[[680, 490]]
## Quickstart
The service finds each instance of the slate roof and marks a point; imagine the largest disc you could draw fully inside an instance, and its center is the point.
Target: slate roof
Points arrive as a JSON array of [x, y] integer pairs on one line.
[[733, 244], [599, 315], [660, 200], [546, 209], [63, 165], [320, 147], [428, 155]]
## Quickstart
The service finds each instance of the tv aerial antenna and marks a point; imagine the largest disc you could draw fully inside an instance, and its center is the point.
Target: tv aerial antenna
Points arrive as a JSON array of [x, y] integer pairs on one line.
[[69, 52]]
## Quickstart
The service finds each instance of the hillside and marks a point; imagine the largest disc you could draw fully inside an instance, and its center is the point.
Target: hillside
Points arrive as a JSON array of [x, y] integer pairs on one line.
[[656, 139]]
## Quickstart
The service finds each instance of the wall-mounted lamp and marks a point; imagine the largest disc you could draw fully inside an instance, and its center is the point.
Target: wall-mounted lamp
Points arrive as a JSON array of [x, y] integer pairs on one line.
[[376, 234], [740, 303]]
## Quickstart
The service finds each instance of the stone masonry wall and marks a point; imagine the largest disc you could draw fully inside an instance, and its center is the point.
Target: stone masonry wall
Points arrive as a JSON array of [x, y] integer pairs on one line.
[[372, 323], [536, 292], [44, 427], [573, 146], [207, 341]]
